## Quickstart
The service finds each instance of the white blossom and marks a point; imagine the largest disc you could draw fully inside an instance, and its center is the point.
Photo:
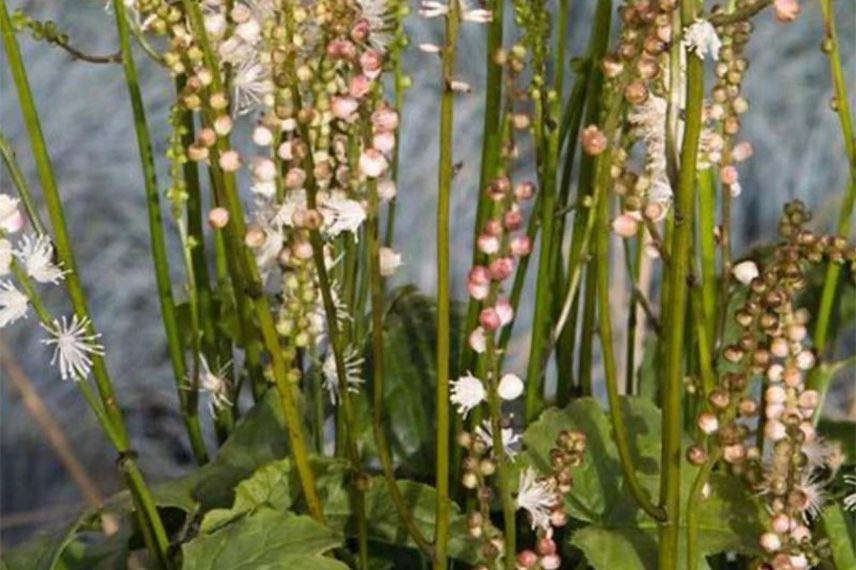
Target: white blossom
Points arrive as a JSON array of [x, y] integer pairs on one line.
[[813, 495], [216, 384], [536, 497], [379, 16], [73, 345], [353, 373], [745, 271], [510, 438], [432, 9], [390, 261], [342, 215], [475, 15], [5, 256], [36, 253], [251, 83], [466, 393], [11, 219], [13, 304], [700, 38]]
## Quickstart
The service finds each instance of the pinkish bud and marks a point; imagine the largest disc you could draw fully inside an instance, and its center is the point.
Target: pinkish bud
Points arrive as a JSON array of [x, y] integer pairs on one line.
[[505, 311], [218, 218], [360, 86], [521, 245], [488, 244], [501, 268], [774, 430], [625, 225], [786, 10], [593, 140], [345, 108], [480, 275], [262, 136], [775, 395], [264, 169], [708, 423], [728, 175], [384, 141], [526, 559], [524, 191], [361, 30], [551, 562], [341, 49], [477, 340], [385, 119], [545, 546], [302, 250], [742, 151], [493, 227], [809, 399], [284, 151], [781, 523], [513, 219], [489, 319], [478, 291], [230, 161], [294, 178], [770, 542], [371, 61], [373, 163]]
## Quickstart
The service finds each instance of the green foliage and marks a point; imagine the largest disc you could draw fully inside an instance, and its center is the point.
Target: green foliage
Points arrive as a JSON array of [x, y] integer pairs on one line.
[[620, 534]]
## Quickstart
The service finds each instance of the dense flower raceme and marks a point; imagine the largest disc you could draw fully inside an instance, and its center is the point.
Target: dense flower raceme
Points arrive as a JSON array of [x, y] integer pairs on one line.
[[790, 464]]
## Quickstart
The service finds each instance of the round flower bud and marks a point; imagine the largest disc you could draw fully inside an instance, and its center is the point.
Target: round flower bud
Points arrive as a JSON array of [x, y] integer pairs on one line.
[[774, 430], [489, 319], [707, 423], [770, 542], [781, 523], [625, 225], [510, 387], [786, 10], [551, 562], [386, 190], [218, 218], [745, 272], [593, 140], [373, 163], [230, 161], [262, 136], [477, 340]]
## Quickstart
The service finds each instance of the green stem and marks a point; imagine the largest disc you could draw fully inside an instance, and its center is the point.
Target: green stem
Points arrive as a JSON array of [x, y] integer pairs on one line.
[[676, 303], [235, 231], [707, 248], [621, 435], [444, 188], [693, 502], [377, 304], [833, 272], [187, 398], [20, 184]]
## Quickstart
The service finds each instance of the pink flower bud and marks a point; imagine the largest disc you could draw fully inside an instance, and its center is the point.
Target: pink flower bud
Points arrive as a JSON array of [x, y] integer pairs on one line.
[[344, 108], [786, 10], [360, 86], [284, 151], [501, 268], [373, 163], [809, 399], [488, 244], [361, 30], [386, 190], [551, 562], [505, 311], [218, 218], [513, 219], [477, 340], [230, 161], [264, 169], [800, 533], [489, 319], [546, 546], [478, 291], [625, 225], [262, 136], [742, 151], [385, 119], [384, 141], [593, 140], [521, 245], [781, 523], [774, 430], [734, 453], [728, 175], [302, 250], [341, 49], [524, 191], [526, 559], [371, 62], [294, 178], [479, 275], [770, 542], [708, 423], [775, 395], [558, 518], [493, 227]]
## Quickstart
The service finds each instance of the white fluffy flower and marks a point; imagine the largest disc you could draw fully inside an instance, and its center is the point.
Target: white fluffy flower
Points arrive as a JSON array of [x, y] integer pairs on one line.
[[251, 83], [216, 384], [536, 497], [342, 215], [37, 256], [510, 439], [74, 346], [813, 495], [700, 38], [390, 260], [13, 304], [5, 256], [510, 387], [353, 373], [466, 393], [381, 21], [745, 272], [11, 219]]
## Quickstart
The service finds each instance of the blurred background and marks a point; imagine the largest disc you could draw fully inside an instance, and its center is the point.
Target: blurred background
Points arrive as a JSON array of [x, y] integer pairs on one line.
[[87, 122]]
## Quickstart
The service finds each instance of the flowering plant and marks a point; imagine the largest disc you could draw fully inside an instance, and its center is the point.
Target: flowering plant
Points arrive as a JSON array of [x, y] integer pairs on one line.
[[361, 425]]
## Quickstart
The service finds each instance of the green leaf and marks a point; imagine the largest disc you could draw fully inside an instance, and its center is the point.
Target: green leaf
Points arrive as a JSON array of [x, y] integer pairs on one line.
[[621, 535], [841, 535], [265, 540]]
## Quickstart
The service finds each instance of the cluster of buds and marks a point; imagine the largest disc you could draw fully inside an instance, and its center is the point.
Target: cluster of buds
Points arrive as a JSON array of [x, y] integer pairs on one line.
[[637, 72], [543, 499], [719, 147], [793, 463]]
